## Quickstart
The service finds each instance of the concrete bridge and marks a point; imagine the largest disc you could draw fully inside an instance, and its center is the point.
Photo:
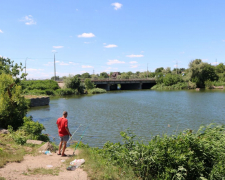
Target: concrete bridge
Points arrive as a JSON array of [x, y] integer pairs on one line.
[[126, 84]]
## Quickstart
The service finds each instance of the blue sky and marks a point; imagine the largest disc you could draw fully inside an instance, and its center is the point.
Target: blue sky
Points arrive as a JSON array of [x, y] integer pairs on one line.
[[108, 36]]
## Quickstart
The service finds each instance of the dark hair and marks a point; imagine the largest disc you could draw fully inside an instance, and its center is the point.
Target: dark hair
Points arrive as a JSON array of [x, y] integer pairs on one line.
[[64, 112]]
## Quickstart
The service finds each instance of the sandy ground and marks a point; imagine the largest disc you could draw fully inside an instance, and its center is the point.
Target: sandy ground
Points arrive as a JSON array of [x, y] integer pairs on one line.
[[12, 171]]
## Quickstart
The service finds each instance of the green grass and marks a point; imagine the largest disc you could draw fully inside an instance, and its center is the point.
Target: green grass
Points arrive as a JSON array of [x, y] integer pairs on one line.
[[96, 91], [10, 151], [43, 171], [99, 168]]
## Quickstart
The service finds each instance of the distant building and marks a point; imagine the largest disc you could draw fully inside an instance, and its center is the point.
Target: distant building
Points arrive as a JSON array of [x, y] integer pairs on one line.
[[114, 75]]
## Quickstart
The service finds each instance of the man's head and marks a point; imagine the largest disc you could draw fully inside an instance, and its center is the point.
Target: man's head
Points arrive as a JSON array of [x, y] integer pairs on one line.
[[65, 113]]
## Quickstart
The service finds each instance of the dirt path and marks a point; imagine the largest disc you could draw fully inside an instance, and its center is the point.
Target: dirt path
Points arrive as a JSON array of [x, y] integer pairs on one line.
[[22, 170]]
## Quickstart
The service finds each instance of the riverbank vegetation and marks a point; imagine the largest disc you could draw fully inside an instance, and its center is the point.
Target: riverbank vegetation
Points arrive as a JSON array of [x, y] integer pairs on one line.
[[187, 155]]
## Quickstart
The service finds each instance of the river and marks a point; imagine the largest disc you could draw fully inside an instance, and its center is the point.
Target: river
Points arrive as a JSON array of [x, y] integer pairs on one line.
[[145, 112]]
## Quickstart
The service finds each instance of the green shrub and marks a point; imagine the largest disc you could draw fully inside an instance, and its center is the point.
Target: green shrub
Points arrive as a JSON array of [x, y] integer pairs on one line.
[[89, 84], [72, 82], [96, 91], [39, 85], [67, 91], [209, 84], [13, 106], [29, 130], [188, 155]]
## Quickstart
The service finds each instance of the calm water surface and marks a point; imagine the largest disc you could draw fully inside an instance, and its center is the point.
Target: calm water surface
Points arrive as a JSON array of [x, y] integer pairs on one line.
[[145, 112]]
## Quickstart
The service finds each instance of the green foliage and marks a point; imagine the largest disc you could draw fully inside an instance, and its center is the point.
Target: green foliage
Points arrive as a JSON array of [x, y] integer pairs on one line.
[[13, 106], [170, 79], [177, 86], [8, 67], [67, 91], [187, 155], [72, 82], [200, 72], [209, 84], [88, 84], [39, 85], [220, 68], [96, 91], [159, 70], [104, 75], [85, 75], [29, 130]]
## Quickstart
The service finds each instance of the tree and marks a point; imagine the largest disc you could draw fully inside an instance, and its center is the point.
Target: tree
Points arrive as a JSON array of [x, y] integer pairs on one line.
[[8, 67], [220, 68], [72, 82], [159, 70], [88, 84], [13, 107], [171, 79], [85, 75], [200, 72], [104, 75]]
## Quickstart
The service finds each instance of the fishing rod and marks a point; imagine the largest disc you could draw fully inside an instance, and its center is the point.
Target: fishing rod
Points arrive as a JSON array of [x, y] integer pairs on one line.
[[80, 140], [75, 132]]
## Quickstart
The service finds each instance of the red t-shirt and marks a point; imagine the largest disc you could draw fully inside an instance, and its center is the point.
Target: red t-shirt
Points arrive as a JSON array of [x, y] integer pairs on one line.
[[62, 123]]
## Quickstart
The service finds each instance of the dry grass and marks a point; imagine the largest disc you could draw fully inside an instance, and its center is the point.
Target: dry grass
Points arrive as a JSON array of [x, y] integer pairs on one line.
[[12, 152]]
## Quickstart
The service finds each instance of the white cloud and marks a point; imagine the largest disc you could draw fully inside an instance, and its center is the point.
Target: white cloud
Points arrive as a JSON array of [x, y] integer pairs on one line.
[[28, 20], [134, 66], [87, 66], [86, 35], [72, 63], [117, 5], [57, 47], [115, 61], [1, 31], [63, 64], [223, 40], [133, 62], [111, 46], [33, 70], [134, 56]]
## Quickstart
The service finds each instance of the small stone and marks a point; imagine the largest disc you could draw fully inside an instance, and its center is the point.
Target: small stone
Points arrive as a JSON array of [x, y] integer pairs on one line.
[[34, 141]]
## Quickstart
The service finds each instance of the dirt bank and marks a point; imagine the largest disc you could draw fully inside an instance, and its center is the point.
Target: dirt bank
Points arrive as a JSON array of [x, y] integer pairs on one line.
[[54, 165]]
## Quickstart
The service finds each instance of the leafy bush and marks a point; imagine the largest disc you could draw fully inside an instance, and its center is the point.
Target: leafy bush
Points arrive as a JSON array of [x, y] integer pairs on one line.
[[13, 106], [72, 82], [29, 130], [96, 91], [67, 91], [88, 84], [39, 85], [187, 155]]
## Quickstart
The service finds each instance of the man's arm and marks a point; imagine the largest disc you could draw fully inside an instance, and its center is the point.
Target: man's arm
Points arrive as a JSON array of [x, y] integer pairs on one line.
[[67, 129]]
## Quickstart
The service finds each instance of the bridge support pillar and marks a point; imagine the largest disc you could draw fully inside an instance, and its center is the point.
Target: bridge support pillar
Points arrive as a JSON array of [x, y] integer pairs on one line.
[[107, 87], [140, 86]]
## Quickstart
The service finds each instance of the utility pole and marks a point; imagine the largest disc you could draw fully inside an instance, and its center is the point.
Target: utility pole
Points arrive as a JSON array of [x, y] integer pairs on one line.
[[54, 67], [147, 70], [176, 65]]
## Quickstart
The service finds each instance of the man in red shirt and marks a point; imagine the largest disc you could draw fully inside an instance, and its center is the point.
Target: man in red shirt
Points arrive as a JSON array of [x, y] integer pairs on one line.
[[64, 133]]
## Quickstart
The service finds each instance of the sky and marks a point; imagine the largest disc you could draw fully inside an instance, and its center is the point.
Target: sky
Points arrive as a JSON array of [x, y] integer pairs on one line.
[[97, 36]]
